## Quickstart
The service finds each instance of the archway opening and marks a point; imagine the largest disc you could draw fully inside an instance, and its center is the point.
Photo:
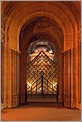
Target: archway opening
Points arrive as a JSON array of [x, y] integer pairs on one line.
[[41, 72], [31, 35]]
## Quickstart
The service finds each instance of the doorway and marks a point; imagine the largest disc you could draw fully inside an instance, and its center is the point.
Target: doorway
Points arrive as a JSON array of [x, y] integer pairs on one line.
[[41, 78]]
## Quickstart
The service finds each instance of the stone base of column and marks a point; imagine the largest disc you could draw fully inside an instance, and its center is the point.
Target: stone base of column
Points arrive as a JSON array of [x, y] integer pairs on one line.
[[78, 105], [3, 106], [22, 100], [15, 102], [60, 98]]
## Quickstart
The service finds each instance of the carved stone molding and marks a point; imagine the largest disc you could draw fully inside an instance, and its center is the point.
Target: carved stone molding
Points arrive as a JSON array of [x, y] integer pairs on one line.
[[46, 25], [75, 8], [79, 34], [76, 50], [2, 35]]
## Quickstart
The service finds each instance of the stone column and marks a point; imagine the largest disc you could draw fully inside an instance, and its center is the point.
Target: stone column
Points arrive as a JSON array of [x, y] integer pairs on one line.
[[73, 83], [77, 77], [23, 63], [71, 77], [59, 56], [4, 63], [67, 78], [13, 78], [9, 77], [4, 75]]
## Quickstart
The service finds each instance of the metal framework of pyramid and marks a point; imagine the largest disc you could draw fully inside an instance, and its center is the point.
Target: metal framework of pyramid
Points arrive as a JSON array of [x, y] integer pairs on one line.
[[41, 75]]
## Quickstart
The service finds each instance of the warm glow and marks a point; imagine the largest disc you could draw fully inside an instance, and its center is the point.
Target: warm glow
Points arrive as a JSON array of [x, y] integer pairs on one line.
[[40, 89], [30, 84], [55, 84], [50, 51], [42, 60]]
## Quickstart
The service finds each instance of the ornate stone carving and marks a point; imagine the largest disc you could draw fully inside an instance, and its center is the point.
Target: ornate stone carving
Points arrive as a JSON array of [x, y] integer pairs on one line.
[[46, 25], [2, 35], [4, 30], [79, 34], [73, 7], [3, 21]]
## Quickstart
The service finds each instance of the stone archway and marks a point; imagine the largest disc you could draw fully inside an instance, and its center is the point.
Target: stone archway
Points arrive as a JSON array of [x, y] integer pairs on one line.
[[14, 17], [23, 62], [41, 27]]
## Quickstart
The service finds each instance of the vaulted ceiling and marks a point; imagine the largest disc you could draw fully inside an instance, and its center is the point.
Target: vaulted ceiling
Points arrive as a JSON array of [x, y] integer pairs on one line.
[[27, 21]]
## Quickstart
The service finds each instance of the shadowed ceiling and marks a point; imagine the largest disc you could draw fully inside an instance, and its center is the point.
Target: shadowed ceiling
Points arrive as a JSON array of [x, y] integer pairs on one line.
[[40, 20]]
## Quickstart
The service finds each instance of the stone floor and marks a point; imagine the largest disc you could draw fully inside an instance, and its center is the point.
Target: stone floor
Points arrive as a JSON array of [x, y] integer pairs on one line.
[[40, 113]]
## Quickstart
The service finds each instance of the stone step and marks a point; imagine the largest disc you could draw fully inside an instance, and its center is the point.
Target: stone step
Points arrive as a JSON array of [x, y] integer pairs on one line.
[[41, 98], [44, 104]]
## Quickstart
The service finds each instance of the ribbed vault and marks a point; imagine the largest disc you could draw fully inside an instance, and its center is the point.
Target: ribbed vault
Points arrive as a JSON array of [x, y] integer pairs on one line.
[[41, 28]]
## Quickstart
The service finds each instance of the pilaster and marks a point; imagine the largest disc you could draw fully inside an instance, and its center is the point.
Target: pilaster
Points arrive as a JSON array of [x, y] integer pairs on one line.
[[13, 78], [23, 63], [71, 78], [10, 77], [66, 79], [77, 76], [59, 77], [4, 75]]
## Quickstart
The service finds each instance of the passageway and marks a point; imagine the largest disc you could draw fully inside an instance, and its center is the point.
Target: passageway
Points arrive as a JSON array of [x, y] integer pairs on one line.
[[39, 113], [40, 55]]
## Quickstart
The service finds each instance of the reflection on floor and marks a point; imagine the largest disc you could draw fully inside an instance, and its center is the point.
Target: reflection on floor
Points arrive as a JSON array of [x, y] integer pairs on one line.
[[41, 112]]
